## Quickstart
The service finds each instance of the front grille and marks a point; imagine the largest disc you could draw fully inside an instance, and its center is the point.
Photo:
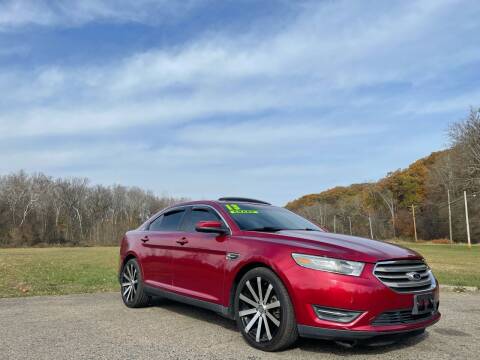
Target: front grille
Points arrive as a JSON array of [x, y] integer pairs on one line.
[[400, 317], [398, 275]]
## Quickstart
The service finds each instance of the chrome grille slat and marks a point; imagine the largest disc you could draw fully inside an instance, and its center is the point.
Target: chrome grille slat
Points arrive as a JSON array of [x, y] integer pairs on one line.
[[402, 268], [389, 276], [407, 284], [394, 275]]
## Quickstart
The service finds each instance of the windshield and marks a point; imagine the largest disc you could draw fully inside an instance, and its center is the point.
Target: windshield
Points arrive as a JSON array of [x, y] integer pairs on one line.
[[267, 218]]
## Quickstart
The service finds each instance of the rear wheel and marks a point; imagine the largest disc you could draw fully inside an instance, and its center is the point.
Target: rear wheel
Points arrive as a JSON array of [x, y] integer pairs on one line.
[[133, 294], [264, 312]]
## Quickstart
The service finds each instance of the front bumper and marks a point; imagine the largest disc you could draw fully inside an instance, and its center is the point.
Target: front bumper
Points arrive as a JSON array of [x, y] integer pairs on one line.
[[365, 294], [352, 338], [353, 335]]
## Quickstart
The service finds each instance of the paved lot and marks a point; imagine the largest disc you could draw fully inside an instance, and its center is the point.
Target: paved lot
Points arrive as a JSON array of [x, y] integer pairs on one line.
[[98, 326]]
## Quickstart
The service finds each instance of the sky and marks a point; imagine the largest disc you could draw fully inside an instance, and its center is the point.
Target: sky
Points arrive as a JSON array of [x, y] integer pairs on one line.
[[202, 99]]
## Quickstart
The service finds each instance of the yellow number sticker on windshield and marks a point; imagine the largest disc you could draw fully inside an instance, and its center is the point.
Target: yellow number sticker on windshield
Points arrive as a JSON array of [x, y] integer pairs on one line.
[[235, 209]]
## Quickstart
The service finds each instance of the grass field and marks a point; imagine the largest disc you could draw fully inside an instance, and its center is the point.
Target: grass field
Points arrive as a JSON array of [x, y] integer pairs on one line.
[[452, 264], [55, 271]]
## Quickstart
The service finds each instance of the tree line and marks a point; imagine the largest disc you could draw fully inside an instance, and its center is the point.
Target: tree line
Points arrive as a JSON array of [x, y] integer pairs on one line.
[[40, 210], [427, 196]]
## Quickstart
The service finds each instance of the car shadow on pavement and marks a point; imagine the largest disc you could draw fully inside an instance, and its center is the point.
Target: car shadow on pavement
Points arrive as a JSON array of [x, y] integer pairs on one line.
[[331, 347], [195, 313], [310, 345]]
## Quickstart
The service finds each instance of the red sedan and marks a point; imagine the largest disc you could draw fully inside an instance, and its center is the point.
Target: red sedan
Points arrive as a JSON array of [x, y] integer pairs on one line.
[[277, 274]]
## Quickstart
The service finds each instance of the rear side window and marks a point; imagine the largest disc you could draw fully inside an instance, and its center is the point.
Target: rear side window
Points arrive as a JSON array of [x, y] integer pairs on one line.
[[197, 215], [155, 225], [168, 222]]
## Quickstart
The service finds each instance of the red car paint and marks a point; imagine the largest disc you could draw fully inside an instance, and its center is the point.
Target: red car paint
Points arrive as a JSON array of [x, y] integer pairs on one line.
[[194, 264]]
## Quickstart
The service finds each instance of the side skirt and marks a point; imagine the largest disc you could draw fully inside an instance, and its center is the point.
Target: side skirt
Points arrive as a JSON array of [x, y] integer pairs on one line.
[[219, 309]]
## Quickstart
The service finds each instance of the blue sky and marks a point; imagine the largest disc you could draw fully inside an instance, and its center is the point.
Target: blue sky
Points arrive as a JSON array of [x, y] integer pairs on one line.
[[268, 99]]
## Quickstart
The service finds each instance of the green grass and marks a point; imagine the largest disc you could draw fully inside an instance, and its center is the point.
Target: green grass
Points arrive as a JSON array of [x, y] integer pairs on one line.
[[56, 271], [452, 264]]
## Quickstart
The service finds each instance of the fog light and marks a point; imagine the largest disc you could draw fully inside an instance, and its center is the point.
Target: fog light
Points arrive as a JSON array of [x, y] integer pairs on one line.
[[336, 315]]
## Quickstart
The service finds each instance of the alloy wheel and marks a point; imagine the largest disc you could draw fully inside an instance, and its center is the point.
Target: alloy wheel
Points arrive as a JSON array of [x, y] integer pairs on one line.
[[129, 282], [259, 310]]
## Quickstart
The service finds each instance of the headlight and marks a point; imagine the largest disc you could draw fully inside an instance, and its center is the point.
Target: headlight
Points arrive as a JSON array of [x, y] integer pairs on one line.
[[344, 267]]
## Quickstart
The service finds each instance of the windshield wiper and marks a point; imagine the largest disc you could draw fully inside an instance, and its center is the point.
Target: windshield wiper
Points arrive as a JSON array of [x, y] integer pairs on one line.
[[306, 229], [266, 229], [274, 229]]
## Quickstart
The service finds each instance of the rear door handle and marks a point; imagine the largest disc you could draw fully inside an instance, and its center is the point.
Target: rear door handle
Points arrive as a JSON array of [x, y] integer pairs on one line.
[[182, 241], [144, 239]]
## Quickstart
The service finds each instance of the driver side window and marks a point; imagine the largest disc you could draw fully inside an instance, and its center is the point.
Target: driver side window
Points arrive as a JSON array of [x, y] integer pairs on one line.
[[197, 215]]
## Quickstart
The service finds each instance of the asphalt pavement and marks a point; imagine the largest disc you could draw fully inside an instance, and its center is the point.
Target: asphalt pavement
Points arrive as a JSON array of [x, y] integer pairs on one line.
[[99, 326]]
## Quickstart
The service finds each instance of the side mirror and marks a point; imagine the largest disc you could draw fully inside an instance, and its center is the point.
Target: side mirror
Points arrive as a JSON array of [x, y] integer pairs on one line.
[[215, 227]]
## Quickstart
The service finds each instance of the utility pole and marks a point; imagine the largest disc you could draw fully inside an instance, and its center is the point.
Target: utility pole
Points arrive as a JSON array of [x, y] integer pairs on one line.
[[325, 214], [468, 221], [450, 216], [414, 223], [350, 222], [335, 224], [371, 228]]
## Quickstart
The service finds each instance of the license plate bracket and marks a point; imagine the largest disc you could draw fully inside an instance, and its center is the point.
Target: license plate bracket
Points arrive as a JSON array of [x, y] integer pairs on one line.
[[423, 304]]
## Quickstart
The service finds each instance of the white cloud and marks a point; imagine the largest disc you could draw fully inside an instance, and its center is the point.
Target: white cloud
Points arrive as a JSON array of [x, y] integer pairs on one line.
[[271, 132], [449, 104], [317, 61], [18, 13]]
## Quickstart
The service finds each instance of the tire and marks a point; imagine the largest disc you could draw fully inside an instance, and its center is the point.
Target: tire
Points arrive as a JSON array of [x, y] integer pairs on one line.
[[265, 317], [131, 286]]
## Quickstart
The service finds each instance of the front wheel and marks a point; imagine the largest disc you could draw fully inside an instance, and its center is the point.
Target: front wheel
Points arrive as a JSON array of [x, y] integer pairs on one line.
[[264, 312], [133, 294]]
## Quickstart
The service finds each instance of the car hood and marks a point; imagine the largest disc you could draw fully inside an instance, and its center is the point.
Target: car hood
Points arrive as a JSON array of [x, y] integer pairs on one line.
[[341, 246]]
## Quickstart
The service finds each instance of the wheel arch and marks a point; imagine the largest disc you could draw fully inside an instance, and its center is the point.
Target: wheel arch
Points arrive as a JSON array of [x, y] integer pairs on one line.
[[129, 256], [242, 270]]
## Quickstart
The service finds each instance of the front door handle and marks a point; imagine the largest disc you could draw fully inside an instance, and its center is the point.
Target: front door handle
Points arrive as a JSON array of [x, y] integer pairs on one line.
[[182, 241], [144, 239]]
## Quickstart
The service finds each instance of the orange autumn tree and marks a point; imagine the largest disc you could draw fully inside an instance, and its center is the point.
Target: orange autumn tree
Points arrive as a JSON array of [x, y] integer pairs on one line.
[[382, 209]]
